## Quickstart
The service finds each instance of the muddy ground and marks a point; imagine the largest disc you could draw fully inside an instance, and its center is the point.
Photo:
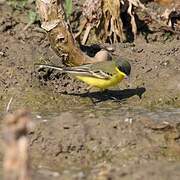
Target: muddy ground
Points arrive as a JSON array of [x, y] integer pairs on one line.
[[126, 133]]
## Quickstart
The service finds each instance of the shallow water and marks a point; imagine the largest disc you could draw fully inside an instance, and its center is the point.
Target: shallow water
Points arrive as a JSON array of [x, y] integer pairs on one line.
[[113, 112]]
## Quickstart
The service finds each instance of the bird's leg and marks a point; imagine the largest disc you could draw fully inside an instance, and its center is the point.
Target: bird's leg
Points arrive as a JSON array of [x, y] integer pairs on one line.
[[103, 90], [119, 87], [88, 92], [89, 88], [94, 102]]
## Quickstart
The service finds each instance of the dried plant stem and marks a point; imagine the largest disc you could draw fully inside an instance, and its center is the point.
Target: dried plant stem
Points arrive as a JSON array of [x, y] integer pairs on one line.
[[62, 42], [16, 159], [86, 34], [8, 105]]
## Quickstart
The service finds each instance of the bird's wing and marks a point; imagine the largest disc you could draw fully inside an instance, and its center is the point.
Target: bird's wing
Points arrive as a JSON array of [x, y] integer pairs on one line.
[[106, 67], [103, 70], [98, 70], [87, 70]]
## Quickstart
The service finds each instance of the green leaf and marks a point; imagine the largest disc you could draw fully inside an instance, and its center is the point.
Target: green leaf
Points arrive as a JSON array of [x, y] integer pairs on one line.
[[17, 4], [68, 7], [32, 15]]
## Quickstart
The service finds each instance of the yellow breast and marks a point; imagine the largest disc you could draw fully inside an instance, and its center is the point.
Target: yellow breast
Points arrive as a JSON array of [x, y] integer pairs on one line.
[[103, 83]]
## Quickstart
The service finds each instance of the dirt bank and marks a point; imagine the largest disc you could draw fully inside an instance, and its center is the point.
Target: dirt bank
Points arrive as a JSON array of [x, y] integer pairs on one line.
[[155, 67]]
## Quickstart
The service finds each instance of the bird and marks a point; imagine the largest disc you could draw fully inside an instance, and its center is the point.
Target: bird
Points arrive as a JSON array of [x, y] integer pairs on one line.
[[101, 75]]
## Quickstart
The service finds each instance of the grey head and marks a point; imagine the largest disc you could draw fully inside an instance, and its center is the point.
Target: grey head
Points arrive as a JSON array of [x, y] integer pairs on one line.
[[124, 66]]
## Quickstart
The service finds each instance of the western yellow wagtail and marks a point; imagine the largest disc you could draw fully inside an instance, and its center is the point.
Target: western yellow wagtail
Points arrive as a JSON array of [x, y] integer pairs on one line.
[[101, 75]]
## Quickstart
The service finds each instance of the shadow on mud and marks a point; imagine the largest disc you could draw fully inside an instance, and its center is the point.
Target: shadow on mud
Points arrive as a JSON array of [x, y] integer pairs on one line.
[[115, 95]]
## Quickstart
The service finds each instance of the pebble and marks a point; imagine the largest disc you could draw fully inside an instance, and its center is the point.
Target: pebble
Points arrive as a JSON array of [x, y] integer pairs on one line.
[[129, 120], [2, 53], [38, 116]]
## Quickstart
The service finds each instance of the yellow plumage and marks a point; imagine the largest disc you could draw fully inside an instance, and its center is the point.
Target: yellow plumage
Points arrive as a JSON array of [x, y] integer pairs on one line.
[[103, 83]]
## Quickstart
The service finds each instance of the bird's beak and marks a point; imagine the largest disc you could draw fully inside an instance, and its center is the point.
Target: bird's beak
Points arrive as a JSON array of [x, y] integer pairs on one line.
[[127, 78], [128, 82]]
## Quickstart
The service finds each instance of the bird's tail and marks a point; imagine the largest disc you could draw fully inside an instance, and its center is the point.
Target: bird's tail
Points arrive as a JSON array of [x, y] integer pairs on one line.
[[71, 70], [49, 66]]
